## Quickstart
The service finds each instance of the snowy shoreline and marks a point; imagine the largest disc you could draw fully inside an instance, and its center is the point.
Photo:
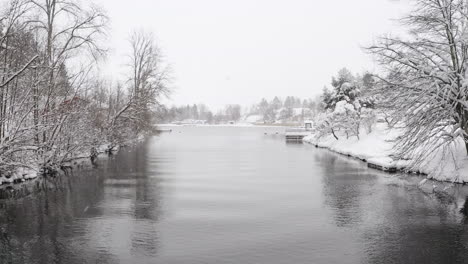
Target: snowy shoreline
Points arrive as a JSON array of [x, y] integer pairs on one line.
[[22, 175], [376, 148]]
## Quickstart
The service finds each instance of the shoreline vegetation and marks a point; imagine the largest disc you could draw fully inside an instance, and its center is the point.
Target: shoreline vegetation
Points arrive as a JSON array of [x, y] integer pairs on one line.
[[39, 182], [55, 105], [75, 162]]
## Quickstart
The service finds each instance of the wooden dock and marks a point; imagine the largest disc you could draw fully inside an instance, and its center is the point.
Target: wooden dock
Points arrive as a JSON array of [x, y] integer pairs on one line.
[[296, 134], [295, 138]]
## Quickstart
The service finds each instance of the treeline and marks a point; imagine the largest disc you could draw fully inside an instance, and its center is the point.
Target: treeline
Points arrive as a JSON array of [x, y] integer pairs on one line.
[[199, 114], [290, 109], [53, 104]]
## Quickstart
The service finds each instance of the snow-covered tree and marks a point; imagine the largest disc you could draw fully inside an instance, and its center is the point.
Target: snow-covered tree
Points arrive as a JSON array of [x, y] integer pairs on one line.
[[233, 112], [425, 82], [53, 104], [346, 109], [276, 104], [344, 88], [285, 113], [148, 78]]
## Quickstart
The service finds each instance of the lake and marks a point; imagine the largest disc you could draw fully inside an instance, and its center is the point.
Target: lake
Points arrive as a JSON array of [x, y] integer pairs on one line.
[[233, 195]]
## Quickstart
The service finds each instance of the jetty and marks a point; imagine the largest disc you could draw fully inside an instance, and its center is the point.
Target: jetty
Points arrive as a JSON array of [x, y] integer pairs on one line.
[[297, 134]]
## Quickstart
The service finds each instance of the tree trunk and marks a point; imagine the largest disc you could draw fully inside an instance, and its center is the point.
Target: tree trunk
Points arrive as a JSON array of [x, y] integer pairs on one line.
[[466, 143], [333, 132], [464, 126]]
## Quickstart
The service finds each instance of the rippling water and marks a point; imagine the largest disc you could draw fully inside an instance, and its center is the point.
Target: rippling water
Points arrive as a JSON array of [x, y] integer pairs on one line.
[[233, 195]]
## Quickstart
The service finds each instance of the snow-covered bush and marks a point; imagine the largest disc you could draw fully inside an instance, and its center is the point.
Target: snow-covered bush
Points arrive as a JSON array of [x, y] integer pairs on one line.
[[346, 111]]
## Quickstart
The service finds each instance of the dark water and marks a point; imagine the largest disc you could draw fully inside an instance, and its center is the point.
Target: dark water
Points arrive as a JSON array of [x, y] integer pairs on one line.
[[233, 195]]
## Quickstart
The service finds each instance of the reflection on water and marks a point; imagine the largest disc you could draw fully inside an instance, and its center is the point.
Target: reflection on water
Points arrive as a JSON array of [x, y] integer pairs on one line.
[[73, 218], [233, 195], [344, 187]]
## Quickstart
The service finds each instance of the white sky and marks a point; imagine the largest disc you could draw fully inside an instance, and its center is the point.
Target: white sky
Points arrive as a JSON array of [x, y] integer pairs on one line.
[[239, 51]]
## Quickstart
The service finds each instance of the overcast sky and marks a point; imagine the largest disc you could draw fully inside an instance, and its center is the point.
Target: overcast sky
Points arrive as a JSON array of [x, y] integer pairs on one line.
[[238, 51]]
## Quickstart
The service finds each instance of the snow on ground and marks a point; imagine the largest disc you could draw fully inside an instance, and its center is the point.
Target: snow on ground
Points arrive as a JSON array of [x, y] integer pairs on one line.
[[377, 148], [19, 175], [370, 146], [449, 165], [22, 174]]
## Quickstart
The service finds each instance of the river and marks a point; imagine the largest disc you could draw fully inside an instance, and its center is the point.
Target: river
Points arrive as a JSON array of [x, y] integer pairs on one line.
[[233, 195]]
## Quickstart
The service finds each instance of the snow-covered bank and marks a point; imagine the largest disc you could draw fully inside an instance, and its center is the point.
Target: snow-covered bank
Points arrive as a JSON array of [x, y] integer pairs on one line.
[[22, 182], [377, 148], [22, 174]]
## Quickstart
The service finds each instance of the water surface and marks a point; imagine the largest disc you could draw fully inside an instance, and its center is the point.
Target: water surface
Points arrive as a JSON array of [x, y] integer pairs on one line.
[[233, 195]]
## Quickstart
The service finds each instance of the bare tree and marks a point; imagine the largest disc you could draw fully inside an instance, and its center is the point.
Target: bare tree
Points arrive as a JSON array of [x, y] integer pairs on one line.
[[147, 84], [64, 29], [18, 53], [425, 83]]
